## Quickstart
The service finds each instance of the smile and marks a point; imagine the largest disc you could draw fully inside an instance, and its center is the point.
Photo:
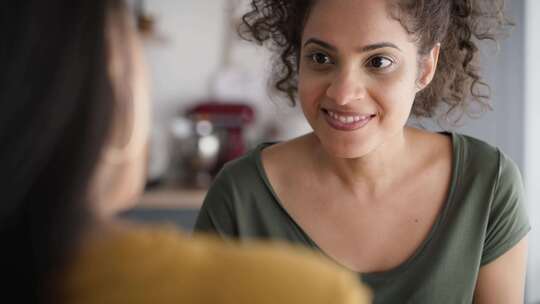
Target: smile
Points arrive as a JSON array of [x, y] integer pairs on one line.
[[347, 122]]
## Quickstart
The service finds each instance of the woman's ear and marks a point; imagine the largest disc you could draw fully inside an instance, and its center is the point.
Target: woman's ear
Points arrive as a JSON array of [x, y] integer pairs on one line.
[[428, 66]]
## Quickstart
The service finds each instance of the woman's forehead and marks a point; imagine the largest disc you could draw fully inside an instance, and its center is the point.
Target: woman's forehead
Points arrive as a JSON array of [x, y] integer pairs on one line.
[[353, 22]]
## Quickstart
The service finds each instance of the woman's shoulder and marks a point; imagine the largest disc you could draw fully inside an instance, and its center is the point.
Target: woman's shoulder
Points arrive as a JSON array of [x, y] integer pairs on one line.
[[252, 160], [498, 190], [293, 152], [483, 157], [243, 172], [461, 144], [263, 160], [475, 146], [493, 173], [164, 265], [473, 157]]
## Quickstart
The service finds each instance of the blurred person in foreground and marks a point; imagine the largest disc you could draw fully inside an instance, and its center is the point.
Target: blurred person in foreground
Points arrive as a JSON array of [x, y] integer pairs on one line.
[[73, 129]]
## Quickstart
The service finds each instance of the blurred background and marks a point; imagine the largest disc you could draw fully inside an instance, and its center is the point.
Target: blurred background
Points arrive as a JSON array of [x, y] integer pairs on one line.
[[212, 102]]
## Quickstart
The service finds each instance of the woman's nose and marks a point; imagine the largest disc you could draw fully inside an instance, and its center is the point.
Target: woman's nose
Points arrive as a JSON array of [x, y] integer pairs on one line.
[[346, 86]]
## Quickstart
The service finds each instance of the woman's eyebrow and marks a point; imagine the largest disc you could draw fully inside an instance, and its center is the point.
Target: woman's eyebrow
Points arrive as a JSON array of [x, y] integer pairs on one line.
[[363, 49], [380, 45], [320, 43]]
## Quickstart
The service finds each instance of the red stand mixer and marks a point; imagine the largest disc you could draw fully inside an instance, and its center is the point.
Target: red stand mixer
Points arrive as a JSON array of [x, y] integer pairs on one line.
[[219, 131]]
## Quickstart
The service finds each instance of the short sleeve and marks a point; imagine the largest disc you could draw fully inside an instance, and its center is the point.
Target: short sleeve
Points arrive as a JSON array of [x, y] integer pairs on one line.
[[216, 214], [508, 221]]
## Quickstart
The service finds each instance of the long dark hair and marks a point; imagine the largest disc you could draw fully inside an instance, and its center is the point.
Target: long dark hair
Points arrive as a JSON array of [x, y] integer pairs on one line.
[[56, 108]]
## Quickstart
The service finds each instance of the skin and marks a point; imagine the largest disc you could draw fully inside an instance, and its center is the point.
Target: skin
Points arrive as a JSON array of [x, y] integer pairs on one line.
[[120, 175], [502, 280], [383, 185]]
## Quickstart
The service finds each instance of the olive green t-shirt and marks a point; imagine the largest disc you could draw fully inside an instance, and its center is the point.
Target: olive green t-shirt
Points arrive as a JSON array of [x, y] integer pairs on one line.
[[483, 217]]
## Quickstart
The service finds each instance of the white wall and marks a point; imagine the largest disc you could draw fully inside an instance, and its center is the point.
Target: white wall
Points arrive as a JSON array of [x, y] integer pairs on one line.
[[532, 147], [186, 65], [505, 74], [186, 52], [186, 61]]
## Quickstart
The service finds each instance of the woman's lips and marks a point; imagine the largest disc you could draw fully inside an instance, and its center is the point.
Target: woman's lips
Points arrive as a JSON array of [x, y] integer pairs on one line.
[[347, 121]]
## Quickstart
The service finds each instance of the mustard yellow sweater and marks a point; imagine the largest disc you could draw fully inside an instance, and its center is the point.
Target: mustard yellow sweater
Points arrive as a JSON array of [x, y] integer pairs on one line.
[[162, 265]]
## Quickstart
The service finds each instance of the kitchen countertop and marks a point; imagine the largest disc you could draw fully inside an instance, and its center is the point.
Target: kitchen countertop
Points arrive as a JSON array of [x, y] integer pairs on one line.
[[172, 197]]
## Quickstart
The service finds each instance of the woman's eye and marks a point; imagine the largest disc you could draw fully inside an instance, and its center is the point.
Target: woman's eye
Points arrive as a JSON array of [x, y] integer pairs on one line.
[[320, 58], [380, 62]]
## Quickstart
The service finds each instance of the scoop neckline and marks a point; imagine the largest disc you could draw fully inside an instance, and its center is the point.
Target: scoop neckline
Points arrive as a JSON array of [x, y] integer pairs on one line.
[[419, 251]]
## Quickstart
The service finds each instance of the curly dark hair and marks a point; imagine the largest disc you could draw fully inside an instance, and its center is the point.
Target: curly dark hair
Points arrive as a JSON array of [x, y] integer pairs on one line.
[[458, 25]]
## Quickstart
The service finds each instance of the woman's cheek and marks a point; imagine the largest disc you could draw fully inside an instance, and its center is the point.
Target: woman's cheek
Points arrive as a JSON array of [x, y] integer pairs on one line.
[[398, 87], [311, 89]]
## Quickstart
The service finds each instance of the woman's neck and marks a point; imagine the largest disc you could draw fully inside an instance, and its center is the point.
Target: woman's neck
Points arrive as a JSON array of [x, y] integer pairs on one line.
[[372, 174]]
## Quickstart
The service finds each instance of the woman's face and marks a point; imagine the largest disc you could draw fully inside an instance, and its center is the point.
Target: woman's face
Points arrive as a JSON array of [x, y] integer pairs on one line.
[[358, 76]]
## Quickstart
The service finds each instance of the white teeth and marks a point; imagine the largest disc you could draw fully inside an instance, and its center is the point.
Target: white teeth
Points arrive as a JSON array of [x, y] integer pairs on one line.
[[347, 119]]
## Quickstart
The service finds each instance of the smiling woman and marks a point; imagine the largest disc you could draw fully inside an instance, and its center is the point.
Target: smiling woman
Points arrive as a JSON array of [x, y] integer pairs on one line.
[[439, 215], [369, 80]]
